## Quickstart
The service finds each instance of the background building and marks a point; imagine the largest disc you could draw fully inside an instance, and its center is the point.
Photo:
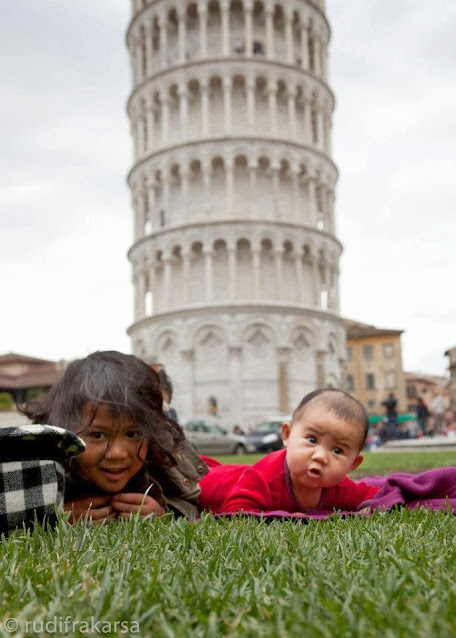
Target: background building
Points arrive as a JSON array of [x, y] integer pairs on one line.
[[427, 387], [24, 377], [374, 366], [451, 354], [235, 259]]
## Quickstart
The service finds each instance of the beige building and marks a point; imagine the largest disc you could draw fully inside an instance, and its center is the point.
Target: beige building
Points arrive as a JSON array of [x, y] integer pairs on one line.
[[374, 366], [451, 354], [427, 387]]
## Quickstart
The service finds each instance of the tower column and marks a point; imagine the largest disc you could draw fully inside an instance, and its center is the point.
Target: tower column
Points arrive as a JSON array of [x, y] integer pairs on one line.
[[229, 170], [225, 16], [312, 190], [307, 118], [202, 15], [269, 31], [164, 101], [232, 270], [206, 169], [150, 123], [205, 107], [248, 8], [251, 104], [289, 35], [186, 274], [278, 255], [208, 274], [162, 25], [292, 112], [184, 192], [236, 383], [256, 266], [295, 187], [227, 99], [181, 28], [272, 102], [317, 55], [167, 281], [304, 47], [183, 110], [139, 280], [316, 281], [149, 53], [253, 167]]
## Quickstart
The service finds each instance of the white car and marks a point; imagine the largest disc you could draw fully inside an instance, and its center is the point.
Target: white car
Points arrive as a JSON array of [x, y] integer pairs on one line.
[[207, 437]]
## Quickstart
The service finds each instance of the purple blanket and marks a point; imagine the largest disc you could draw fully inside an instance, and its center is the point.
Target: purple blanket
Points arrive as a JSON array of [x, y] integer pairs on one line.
[[435, 489]]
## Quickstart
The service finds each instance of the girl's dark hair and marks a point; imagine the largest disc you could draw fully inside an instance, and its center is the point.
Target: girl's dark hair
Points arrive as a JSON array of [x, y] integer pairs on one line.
[[344, 405], [122, 382]]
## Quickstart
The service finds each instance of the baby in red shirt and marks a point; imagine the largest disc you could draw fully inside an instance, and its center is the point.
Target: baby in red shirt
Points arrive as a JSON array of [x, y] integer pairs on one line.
[[323, 443]]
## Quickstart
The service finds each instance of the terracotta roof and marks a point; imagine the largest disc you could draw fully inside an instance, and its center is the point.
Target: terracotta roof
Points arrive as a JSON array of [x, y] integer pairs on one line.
[[358, 330], [14, 357]]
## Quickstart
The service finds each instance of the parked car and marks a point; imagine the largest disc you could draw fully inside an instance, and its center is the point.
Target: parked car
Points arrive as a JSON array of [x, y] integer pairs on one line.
[[208, 437], [267, 436]]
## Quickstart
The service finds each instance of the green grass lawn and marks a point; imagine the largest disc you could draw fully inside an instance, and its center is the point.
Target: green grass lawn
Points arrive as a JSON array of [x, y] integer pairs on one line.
[[388, 575], [378, 462]]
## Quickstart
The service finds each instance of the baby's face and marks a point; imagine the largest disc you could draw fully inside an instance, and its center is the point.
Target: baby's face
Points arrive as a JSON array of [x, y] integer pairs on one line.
[[114, 451], [321, 448]]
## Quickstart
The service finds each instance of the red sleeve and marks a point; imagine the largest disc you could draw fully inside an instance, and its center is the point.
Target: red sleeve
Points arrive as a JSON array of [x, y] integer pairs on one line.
[[348, 494], [251, 493]]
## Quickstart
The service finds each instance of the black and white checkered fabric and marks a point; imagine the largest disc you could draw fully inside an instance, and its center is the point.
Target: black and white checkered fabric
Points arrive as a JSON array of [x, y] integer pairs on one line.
[[32, 478]]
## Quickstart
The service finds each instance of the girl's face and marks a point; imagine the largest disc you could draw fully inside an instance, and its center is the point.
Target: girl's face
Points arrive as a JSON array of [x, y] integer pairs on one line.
[[114, 453]]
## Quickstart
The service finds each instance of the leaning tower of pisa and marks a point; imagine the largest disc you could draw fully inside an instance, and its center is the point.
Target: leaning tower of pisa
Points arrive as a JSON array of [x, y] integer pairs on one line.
[[234, 258]]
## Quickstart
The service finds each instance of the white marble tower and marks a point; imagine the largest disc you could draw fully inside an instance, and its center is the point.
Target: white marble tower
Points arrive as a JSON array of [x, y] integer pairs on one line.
[[235, 258]]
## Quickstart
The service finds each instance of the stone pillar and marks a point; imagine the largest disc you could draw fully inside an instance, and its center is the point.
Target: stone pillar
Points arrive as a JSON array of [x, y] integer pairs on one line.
[[225, 17], [227, 97], [295, 186], [188, 371], [283, 357], [204, 108], [202, 14], [304, 47], [183, 110], [166, 188], [139, 280], [141, 216], [186, 275], [167, 281], [316, 282], [311, 186], [152, 197], [308, 118], [208, 274], [299, 275], [163, 26], [232, 270], [248, 37], [149, 52], [292, 113], [317, 55], [150, 123], [278, 255], [320, 127], [269, 31], [184, 191], [206, 169], [336, 289], [140, 133], [134, 134], [256, 266], [181, 27], [251, 104], [289, 36], [272, 101], [229, 169], [253, 187], [275, 189], [236, 383], [164, 102]]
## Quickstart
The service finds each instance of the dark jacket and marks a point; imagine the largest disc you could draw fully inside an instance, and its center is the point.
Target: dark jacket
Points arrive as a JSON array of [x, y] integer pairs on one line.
[[176, 488]]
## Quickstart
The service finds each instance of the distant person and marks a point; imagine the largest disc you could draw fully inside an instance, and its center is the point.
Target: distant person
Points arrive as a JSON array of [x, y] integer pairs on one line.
[[390, 404], [438, 409], [238, 430], [322, 443], [167, 392], [422, 414]]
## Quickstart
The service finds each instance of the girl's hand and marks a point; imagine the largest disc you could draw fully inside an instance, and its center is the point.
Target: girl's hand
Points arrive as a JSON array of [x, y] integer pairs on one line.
[[97, 508], [126, 504]]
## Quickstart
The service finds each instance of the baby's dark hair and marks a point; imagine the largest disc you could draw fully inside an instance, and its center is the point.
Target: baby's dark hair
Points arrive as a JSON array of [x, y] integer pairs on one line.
[[342, 404], [123, 383]]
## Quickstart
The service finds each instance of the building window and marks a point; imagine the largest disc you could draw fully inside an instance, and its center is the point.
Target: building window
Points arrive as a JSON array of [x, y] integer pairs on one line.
[[388, 350], [370, 381], [350, 383], [411, 391], [349, 353], [368, 352], [390, 380], [371, 404]]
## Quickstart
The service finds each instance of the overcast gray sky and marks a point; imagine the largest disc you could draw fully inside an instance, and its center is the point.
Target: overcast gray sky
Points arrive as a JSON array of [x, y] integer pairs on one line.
[[65, 212]]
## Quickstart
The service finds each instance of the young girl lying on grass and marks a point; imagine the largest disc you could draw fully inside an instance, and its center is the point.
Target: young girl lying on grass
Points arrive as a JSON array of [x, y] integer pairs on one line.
[[136, 458], [322, 445]]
